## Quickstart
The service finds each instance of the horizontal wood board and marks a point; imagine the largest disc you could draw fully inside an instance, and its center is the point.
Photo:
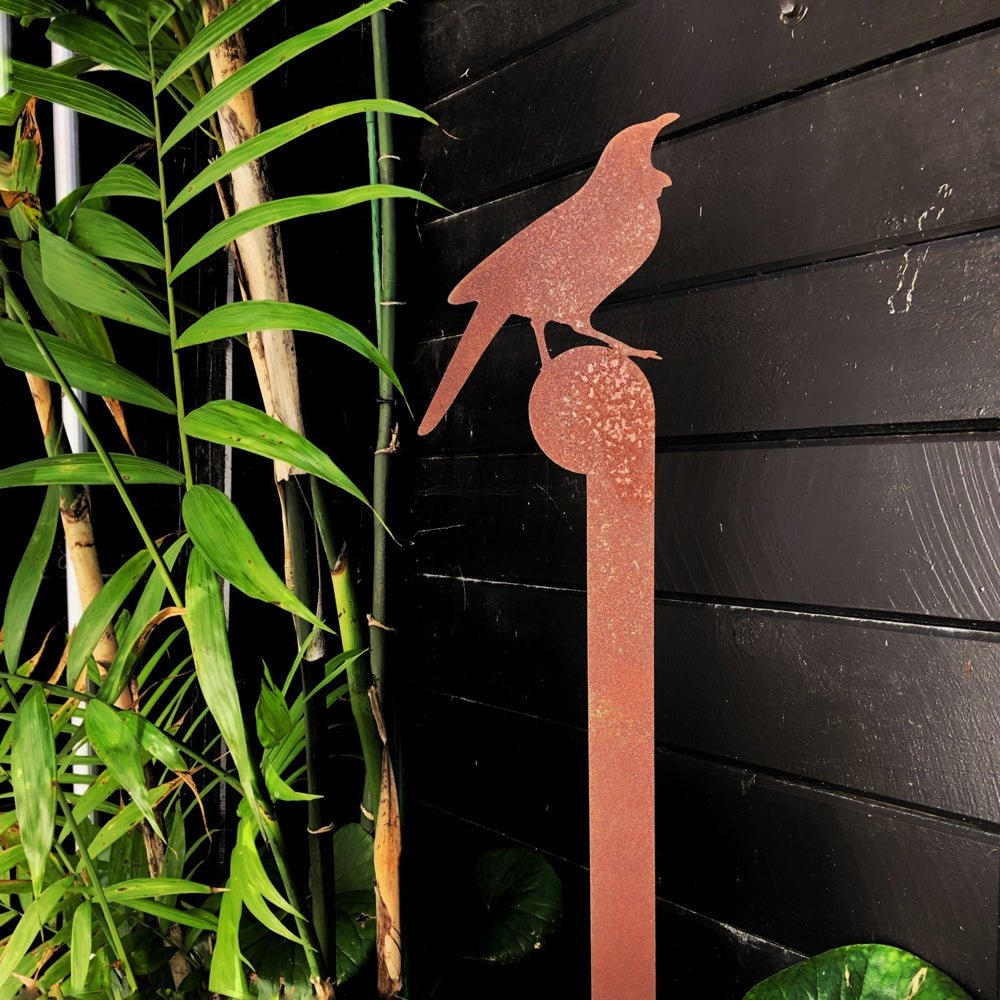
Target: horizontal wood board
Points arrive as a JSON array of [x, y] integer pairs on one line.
[[700, 60], [898, 337], [908, 713], [896, 525], [895, 156]]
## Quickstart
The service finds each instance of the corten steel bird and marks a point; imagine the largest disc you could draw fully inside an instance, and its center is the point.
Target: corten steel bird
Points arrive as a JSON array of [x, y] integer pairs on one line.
[[562, 266]]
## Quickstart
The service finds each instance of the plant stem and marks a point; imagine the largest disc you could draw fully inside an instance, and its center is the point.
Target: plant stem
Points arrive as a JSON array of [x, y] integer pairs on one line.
[[171, 303]]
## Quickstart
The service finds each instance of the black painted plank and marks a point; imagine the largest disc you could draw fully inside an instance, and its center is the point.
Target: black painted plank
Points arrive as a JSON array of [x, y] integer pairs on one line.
[[898, 525], [807, 867], [700, 60], [891, 157], [886, 338], [899, 711], [461, 40], [815, 869]]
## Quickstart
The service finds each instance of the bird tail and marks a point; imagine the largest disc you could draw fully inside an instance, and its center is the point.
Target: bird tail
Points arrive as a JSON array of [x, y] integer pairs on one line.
[[482, 328]]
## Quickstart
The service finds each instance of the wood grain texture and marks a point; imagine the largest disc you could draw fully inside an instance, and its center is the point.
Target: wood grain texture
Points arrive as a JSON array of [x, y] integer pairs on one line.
[[782, 860], [700, 60], [899, 337], [895, 525], [898, 711], [892, 157], [461, 41]]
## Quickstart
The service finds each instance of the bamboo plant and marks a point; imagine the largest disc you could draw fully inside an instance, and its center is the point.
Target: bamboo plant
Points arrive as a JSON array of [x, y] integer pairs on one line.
[[93, 906]]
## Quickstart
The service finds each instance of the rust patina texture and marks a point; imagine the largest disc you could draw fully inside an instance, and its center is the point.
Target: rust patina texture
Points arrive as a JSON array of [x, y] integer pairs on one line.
[[592, 412]]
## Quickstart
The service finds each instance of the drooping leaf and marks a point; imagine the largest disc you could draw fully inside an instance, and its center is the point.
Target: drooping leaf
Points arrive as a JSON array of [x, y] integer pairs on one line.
[[155, 743], [28, 578], [274, 57], [274, 138], [33, 777], [114, 743], [87, 469], [105, 235], [82, 367], [248, 871], [86, 98], [237, 318], [90, 38], [89, 283], [124, 179], [226, 976], [223, 539], [283, 209], [523, 899], [859, 972], [232, 423], [38, 913], [80, 948], [76, 325]]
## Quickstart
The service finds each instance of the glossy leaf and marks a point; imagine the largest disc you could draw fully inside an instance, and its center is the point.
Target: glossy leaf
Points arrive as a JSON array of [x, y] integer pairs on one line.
[[237, 425], [274, 138], [237, 318], [31, 8], [105, 235], [87, 469], [124, 179], [95, 40], [82, 943], [155, 743], [859, 972], [149, 887], [33, 778], [86, 98], [273, 58], [523, 899], [82, 367], [114, 743], [282, 210], [89, 283], [354, 880], [226, 976], [225, 542], [28, 578]]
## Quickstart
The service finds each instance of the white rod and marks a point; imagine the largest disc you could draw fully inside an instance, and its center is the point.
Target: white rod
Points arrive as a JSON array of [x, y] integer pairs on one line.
[[4, 55]]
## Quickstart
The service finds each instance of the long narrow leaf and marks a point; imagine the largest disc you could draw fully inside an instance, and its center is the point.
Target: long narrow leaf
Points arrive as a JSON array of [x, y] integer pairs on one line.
[[28, 578], [105, 235], [150, 888], [82, 367], [81, 945], [274, 138], [222, 537], [31, 8], [98, 42], [226, 977], [91, 284], [275, 57], [124, 179], [238, 318], [283, 209], [33, 777], [172, 914], [87, 469], [36, 915], [79, 95]]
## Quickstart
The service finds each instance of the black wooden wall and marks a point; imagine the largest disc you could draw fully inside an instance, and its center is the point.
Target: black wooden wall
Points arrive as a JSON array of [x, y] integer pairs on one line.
[[825, 299]]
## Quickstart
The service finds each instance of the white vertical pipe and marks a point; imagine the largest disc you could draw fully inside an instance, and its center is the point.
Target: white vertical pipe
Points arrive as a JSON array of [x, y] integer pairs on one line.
[[4, 55]]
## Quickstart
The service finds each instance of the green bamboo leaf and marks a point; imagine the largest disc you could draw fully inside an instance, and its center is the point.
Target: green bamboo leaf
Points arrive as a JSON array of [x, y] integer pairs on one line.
[[32, 8], [150, 888], [238, 16], [273, 718], [155, 743], [247, 869], [124, 821], [172, 914], [87, 469], [226, 976], [221, 536], [237, 318], [206, 618], [137, 10], [124, 179], [86, 98], [33, 778], [96, 41], [82, 328], [105, 235], [91, 284], [274, 138], [275, 57], [228, 422], [36, 914], [114, 743], [28, 578], [82, 367], [80, 948], [283, 209]]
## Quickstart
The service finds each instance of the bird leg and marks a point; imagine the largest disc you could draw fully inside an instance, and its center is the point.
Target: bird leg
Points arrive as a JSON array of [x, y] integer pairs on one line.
[[616, 345], [538, 325]]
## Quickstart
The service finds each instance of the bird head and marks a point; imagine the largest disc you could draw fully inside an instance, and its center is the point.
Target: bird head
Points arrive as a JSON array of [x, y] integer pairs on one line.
[[634, 145]]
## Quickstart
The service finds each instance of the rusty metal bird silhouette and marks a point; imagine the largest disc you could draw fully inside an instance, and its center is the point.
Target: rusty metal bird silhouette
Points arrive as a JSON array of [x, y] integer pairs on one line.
[[592, 411], [562, 266]]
